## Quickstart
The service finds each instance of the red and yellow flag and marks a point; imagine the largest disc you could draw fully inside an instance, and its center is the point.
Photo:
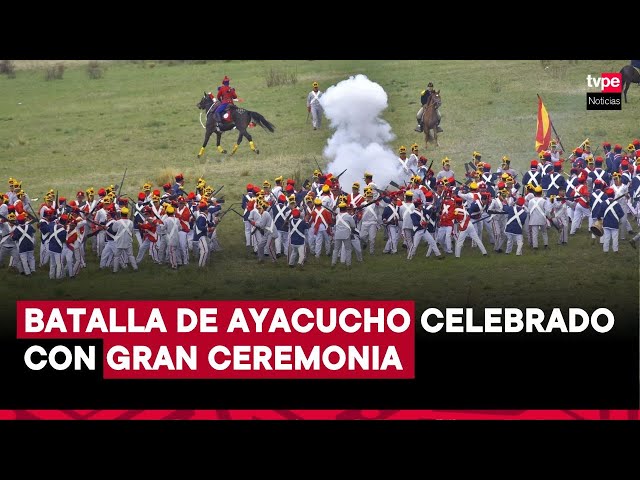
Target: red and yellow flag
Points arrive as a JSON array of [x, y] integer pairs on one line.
[[543, 134]]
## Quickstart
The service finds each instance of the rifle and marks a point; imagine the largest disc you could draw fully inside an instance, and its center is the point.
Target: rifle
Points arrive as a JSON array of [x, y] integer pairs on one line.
[[213, 195], [338, 177], [123, 176], [56, 204], [314, 158]]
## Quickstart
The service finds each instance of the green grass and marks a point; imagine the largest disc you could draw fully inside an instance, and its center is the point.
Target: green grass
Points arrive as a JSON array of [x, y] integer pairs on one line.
[[76, 132]]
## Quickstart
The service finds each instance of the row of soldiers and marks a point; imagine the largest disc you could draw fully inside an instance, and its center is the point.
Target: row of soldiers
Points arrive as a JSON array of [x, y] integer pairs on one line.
[[171, 225], [168, 228], [438, 208]]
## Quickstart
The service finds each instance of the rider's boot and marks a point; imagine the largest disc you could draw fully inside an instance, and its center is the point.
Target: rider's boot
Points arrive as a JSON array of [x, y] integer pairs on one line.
[[419, 127], [439, 129], [218, 120]]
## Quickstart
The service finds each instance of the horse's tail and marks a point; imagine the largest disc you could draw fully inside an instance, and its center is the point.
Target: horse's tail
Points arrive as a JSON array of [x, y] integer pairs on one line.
[[263, 122]]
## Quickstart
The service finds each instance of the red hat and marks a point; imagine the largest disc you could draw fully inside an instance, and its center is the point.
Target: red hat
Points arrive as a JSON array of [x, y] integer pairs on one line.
[[166, 186], [62, 200], [282, 198], [141, 196], [249, 187], [423, 158], [501, 185], [458, 201], [428, 195], [599, 159], [73, 203], [289, 188], [11, 208], [203, 206], [557, 164], [225, 79], [582, 177], [606, 144], [578, 151], [22, 217], [156, 193], [102, 192], [295, 213], [256, 189], [599, 182], [63, 218], [291, 181], [520, 201], [80, 194], [191, 195], [636, 142], [534, 163], [610, 192], [179, 177], [617, 147]]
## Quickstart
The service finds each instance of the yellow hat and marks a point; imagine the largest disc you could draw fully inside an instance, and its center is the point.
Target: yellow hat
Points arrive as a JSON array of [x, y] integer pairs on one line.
[[308, 198], [416, 178], [504, 176], [368, 175], [89, 191], [317, 201], [170, 209], [316, 173], [124, 211], [590, 160], [631, 148], [356, 185], [414, 147], [266, 183], [325, 188], [315, 84], [541, 155], [476, 154], [278, 179], [538, 189], [509, 179], [616, 174], [473, 186], [402, 149], [446, 161], [505, 158], [342, 205], [12, 216], [408, 193], [292, 198]]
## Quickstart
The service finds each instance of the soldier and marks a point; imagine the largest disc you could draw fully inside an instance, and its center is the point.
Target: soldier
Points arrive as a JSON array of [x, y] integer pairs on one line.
[[148, 230], [390, 220], [610, 212], [322, 221], [580, 197], [463, 218], [297, 239], [24, 236], [123, 240], [621, 191], [369, 225], [200, 230], [314, 107], [446, 171], [402, 158], [109, 250], [172, 227], [44, 224], [281, 215], [344, 225], [538, 209], [515, 223], [56, 242], [267, 228]]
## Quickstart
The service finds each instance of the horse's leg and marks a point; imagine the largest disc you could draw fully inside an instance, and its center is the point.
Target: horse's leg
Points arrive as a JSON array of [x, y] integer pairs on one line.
[[626, 84], [238, 142], [251, 144], [220, 149], [435, 135], [207, 134]]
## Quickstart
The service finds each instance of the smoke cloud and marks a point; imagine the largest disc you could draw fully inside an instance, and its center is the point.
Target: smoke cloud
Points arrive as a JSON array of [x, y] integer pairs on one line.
[[353, 107]]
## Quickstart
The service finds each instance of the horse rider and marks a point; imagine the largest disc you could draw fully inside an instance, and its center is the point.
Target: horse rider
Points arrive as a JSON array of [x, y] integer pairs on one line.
[[424, 99], [225, 96]]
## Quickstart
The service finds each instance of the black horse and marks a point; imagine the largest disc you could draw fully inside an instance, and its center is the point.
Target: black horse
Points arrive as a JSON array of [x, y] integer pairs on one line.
[[629, 75], [240, 119]]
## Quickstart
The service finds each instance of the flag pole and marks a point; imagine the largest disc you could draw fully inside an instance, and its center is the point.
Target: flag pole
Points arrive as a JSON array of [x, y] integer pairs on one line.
[[553, 127]]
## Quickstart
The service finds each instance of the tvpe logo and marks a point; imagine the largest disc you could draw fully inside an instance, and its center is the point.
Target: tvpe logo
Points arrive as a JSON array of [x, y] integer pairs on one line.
[[607, 82], [609, 96]]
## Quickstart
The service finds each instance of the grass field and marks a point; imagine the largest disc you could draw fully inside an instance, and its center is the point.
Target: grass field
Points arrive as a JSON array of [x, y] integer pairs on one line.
[[78, 132]]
